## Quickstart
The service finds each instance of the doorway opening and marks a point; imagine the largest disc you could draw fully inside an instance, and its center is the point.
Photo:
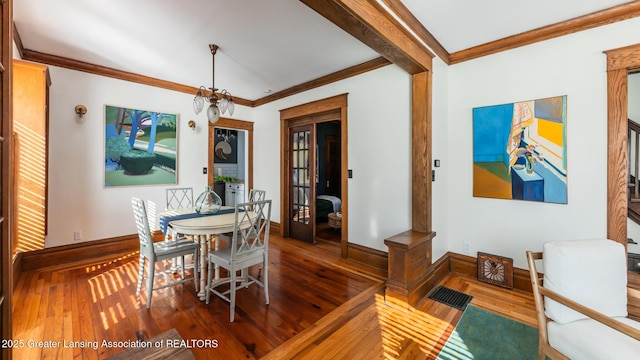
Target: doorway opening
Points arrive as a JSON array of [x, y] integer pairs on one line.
[[230, 163], [328, 181], [313, 173]]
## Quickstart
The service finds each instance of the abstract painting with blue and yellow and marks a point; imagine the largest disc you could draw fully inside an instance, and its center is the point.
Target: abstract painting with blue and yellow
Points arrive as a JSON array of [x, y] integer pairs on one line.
[[520, 150]]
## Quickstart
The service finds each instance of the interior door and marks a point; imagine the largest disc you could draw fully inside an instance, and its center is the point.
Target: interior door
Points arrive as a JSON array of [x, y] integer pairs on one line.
[[302, 188]]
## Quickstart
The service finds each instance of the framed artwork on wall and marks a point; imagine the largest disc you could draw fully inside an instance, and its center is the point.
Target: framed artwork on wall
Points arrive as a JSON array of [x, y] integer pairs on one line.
[[520, 150], [140, 147], [226, 146]]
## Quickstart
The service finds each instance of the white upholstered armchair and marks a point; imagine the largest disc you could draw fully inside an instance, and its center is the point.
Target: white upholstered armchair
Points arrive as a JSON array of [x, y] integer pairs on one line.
[[581, 301]]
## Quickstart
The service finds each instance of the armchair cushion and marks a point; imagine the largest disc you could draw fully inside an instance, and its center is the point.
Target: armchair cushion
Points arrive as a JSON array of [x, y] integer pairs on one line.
[[590, 272], [589, 339]]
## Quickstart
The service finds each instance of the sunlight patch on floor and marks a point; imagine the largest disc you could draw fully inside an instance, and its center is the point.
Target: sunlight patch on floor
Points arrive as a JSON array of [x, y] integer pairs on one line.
[[456, 349], [409, 332], [108, 283]]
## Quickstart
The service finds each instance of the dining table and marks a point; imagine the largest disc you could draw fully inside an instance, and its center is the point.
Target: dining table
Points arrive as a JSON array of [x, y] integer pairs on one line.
[[203, 228]]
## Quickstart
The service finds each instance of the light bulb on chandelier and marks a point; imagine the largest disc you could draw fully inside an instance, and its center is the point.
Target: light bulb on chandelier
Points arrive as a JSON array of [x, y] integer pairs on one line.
[[217, 105]]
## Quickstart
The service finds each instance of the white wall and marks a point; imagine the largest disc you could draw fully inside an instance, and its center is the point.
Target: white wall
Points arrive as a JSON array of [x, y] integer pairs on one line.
[[440, 148], [379, 133], [78, 200], [379, 148], [573, 65], [379, 153]]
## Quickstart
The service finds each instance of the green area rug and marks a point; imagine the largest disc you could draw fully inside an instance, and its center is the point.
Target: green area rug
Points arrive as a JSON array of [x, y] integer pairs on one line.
[[481, 334]]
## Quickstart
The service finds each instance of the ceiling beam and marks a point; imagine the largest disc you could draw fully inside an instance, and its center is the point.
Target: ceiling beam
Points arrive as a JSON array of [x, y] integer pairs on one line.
[[415, 26], [368, 22]]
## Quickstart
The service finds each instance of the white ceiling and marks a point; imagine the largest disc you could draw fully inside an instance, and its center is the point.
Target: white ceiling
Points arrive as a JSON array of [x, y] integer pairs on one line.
[[264, 44]]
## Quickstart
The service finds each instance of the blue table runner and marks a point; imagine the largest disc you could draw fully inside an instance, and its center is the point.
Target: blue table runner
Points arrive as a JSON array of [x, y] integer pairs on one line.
[[165, 220]]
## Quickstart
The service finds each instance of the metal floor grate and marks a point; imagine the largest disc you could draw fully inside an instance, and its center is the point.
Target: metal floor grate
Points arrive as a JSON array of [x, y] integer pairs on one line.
[[451, 297]]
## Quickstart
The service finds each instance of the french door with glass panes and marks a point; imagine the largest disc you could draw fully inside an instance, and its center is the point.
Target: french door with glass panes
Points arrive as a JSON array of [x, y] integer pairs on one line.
[[302, 187]]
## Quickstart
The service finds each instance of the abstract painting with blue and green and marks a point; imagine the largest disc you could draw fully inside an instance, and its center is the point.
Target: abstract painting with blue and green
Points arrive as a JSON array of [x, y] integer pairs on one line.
[[520, 150], [140, 147]]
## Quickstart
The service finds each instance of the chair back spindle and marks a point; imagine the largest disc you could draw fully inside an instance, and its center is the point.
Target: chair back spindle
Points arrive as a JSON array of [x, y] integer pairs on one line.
[[142, 223], [178, 198], [257, 195]]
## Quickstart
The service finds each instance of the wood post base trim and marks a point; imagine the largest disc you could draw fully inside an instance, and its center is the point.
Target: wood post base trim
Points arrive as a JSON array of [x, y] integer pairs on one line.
[[406, 298], [409, 266]]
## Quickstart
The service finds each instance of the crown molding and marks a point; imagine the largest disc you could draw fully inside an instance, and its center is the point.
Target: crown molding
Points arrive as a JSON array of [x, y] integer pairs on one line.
[[599, 18], [78, 65], [419, 31], [325, 80]]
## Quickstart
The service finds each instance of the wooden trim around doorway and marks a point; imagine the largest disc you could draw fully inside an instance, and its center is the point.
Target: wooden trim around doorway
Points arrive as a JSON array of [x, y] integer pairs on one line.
[[236, 125], [620, 62], [287, 117]]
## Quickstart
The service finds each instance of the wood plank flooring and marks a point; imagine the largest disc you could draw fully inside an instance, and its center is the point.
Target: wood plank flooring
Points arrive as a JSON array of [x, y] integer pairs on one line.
[[321, 307]]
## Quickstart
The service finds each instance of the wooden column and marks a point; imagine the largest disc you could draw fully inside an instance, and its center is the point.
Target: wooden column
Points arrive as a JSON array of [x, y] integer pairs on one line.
[[374, 25], [618, 178], [410, 251], [421, 152]]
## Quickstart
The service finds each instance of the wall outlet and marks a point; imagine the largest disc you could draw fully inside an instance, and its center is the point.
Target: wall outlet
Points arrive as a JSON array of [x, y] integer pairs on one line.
[[77, 235], [466, 247]]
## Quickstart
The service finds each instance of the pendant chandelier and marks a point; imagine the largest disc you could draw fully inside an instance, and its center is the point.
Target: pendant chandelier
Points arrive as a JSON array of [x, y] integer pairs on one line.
[[219, 103]]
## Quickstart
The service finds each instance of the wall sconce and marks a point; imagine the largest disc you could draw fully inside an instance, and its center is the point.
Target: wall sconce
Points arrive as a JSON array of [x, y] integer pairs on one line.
[[81, 110], [192, 125]]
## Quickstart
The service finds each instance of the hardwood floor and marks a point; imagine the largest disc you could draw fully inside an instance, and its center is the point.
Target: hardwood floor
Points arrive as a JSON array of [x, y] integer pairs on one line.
[[325, 232], [321, 307]]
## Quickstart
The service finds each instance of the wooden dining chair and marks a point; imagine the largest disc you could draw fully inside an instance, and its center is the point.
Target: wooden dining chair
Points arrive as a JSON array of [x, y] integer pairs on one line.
[[160, 251], [249, 246]]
